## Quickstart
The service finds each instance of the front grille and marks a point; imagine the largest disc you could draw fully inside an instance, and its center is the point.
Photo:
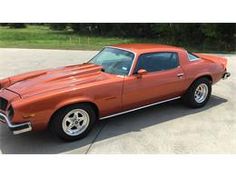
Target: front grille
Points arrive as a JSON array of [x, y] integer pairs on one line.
[[3, 104]]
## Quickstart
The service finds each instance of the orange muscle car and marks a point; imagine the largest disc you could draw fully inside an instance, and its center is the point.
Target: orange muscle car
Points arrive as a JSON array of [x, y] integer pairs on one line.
[[119, 79]]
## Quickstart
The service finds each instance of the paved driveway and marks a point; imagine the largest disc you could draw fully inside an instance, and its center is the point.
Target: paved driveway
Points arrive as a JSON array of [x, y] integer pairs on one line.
[[167, 128]]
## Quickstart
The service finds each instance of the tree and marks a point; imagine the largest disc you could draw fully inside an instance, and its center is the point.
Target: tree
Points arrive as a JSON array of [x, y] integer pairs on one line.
[[221, 35], [58, 26], [16, 25]]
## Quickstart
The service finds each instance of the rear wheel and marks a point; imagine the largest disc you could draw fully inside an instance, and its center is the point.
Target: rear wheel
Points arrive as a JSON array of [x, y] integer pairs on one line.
[[73, 122], [198, 93]]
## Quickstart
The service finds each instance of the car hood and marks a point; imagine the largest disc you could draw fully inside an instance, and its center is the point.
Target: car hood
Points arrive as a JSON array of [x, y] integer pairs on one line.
[[38, 82]]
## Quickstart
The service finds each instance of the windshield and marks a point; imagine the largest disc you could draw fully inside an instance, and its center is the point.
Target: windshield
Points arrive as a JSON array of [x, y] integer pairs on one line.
[[114, 61]]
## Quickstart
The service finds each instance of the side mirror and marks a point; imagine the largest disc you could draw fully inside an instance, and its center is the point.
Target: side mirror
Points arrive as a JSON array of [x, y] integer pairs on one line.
[[141, 72]]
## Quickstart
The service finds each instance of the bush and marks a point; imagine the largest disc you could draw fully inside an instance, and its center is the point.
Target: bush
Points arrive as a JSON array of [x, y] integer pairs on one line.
[[58, 26], [16, 25]]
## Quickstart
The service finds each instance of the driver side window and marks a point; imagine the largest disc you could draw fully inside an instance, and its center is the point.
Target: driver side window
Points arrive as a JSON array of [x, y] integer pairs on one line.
[[160, 61]]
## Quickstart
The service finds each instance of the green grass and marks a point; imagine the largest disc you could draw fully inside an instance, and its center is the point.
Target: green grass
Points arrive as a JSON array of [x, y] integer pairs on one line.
[[36, 36], [43, 37]]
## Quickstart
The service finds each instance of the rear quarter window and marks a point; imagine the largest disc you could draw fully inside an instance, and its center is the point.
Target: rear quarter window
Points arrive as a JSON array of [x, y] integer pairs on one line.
[[192, 57]]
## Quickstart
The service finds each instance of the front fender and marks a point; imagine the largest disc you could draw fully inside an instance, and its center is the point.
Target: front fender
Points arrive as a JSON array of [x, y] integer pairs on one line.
[[71, 101]]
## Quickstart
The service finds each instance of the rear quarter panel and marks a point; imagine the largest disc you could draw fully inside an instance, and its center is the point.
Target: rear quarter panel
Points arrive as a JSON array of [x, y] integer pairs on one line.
[[201, 67]]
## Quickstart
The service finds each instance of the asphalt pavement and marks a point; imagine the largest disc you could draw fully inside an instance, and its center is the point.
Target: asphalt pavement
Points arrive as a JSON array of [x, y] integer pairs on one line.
[[167, 128]]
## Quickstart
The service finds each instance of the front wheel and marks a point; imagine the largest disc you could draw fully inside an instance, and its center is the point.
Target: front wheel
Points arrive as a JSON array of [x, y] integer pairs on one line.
[[198, 93], [73, 122]]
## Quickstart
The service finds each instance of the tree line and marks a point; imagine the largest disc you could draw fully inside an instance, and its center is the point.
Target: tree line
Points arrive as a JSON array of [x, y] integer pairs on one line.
[[214, 35]]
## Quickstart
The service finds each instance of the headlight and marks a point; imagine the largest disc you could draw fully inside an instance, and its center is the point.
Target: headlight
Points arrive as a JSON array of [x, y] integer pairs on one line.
[[3, 104], [10, 112]]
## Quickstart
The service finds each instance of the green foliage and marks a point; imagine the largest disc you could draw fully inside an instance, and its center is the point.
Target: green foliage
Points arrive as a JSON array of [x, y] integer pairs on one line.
[[75, 27], [222, 35], [16, 25], [195, 34], [3, 24], [58, 26], [210, 36], [189, 35]]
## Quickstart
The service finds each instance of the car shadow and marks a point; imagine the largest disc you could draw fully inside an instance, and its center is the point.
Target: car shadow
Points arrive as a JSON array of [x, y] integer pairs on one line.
[[45, 143]]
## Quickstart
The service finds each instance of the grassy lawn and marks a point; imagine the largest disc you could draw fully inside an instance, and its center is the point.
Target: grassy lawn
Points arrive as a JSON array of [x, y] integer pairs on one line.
[[44, 38]]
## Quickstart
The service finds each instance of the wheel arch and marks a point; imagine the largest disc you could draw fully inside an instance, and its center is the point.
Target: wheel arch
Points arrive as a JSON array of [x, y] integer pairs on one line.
[[187, 98], [208, 76], [62, 106]]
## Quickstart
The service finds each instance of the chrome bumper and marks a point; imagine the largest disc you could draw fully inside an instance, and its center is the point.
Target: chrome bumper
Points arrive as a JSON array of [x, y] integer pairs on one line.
[[16, 128], [226, 75]]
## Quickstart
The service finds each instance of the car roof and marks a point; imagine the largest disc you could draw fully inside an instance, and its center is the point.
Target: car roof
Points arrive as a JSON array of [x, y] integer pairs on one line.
[[147, 48]]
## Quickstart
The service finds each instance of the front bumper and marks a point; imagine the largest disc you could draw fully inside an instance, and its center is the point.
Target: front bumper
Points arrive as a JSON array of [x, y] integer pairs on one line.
[[16, 128], [226, 75]]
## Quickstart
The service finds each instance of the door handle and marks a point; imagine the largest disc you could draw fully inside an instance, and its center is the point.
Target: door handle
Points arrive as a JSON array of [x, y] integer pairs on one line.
[[180, 75]]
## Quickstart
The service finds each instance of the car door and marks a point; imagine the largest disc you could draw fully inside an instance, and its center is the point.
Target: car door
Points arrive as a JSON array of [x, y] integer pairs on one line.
[[163, 80]]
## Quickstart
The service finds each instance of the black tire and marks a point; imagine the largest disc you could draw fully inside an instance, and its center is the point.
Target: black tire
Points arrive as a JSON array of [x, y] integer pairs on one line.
[[189, 97], [56, 122]]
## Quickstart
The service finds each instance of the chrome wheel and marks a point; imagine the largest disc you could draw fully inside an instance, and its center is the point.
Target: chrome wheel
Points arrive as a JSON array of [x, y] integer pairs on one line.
[[201, 93], [75, 122]]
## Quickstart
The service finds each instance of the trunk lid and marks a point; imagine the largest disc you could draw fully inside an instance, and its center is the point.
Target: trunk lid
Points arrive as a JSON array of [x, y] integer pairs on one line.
[[213, 58]]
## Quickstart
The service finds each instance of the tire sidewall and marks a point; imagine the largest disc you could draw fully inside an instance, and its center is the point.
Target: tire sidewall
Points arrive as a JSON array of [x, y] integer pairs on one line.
[[57, 119], [189, 97]]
